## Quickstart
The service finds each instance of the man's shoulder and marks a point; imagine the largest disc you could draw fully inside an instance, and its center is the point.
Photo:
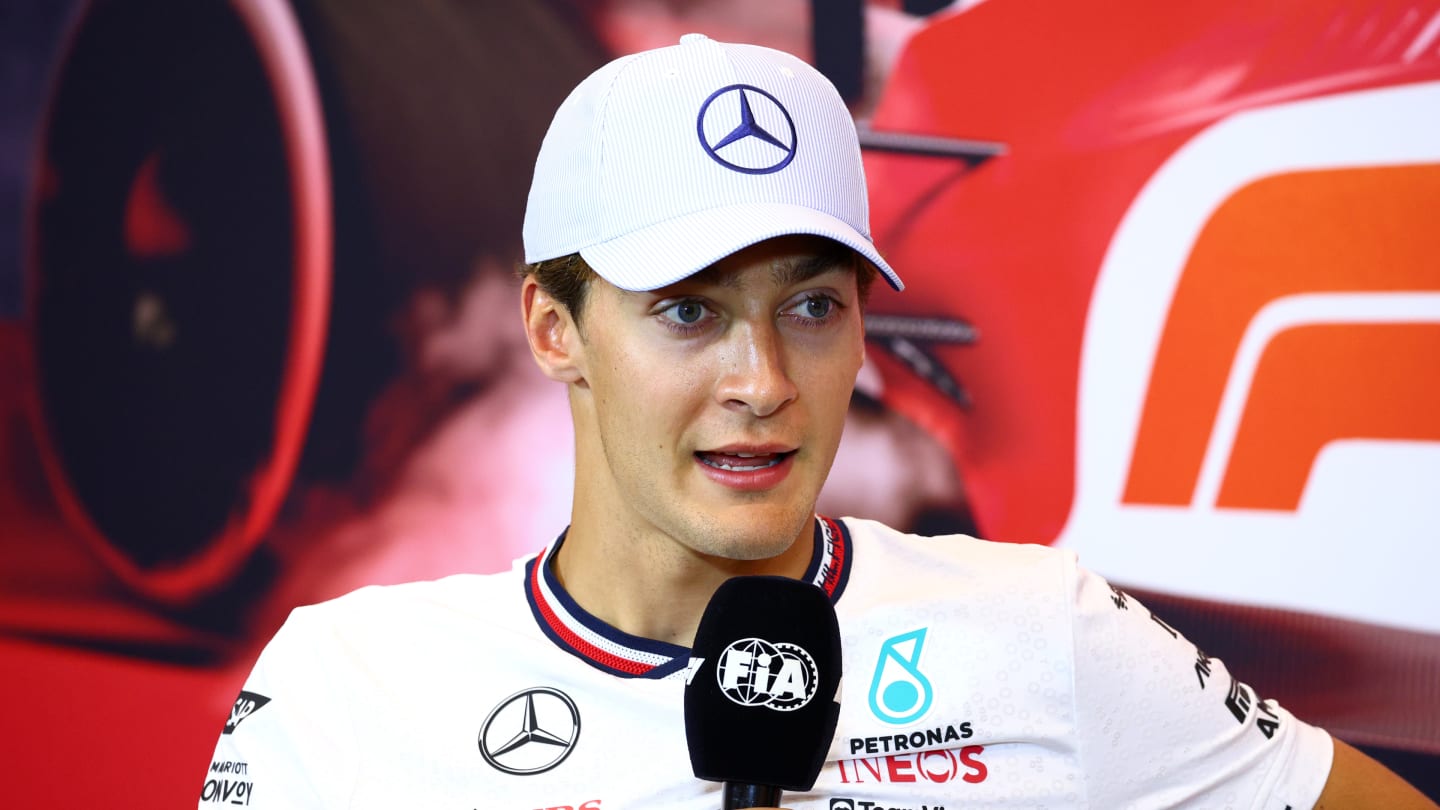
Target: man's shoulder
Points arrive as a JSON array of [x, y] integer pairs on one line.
[[475, 601], [890, 564], [876, 540]]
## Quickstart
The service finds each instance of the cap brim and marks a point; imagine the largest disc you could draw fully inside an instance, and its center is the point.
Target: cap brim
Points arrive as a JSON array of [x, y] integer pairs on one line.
[[669, 251]]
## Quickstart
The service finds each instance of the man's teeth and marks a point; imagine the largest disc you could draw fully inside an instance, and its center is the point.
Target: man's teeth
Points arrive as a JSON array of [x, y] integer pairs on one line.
[[770, 461]]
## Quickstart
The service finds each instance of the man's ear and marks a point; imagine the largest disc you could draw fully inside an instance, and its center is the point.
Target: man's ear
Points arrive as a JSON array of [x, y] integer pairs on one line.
[[554, 338]]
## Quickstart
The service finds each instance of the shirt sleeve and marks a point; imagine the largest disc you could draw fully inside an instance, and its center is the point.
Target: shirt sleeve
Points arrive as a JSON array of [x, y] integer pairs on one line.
[[1164, 724], [288, 740]]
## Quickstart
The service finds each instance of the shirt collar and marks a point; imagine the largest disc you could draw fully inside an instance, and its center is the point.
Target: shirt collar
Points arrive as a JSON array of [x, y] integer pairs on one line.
[[606, 648]]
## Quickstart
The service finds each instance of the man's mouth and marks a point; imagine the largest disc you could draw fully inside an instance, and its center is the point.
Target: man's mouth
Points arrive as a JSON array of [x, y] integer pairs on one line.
[[742, 462]]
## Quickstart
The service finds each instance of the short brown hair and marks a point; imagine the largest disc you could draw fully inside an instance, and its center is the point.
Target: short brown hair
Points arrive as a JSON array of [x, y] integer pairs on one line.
[[565, 279]]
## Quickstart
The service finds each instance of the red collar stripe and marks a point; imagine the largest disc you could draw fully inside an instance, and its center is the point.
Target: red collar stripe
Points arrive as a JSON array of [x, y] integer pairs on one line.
[[574, 640]]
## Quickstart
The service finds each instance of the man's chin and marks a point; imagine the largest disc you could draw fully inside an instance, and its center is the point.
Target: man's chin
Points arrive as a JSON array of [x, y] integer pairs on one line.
[[756, 552], [758, 534]]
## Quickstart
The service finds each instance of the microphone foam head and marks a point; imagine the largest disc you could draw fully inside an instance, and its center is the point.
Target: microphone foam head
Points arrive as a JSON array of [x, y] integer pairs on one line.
[[760, 702]]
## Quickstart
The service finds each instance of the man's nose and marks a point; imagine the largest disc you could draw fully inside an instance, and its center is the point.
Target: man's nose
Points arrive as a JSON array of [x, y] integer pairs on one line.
[[755, 375]]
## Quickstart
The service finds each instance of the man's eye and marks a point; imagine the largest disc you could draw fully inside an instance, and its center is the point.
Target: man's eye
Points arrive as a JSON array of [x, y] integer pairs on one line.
[[685, 312], [817, 307], [814, 308]]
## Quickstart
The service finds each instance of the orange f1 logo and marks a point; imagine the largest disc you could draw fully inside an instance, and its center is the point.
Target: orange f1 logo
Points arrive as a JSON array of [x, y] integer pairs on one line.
[[1306, 314], [1260, 379]]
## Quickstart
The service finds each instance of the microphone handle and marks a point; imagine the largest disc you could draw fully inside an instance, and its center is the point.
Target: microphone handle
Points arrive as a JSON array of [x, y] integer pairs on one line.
[[738, 796]]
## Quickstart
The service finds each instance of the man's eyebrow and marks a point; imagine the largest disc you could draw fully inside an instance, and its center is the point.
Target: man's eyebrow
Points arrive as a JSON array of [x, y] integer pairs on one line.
[[785, 273]]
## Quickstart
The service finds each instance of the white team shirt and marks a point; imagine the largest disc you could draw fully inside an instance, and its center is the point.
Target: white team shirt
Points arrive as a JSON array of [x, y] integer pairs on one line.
[[977, 674]]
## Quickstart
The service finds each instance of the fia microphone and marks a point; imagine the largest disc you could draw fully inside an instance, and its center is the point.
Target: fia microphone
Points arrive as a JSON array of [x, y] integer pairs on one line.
[[761, 699]]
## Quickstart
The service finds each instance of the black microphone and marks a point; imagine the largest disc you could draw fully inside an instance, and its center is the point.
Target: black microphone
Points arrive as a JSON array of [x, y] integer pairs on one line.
[[762, 693]]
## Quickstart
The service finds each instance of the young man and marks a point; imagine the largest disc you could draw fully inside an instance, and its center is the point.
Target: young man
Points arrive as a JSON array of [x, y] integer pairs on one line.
[[698, 239]]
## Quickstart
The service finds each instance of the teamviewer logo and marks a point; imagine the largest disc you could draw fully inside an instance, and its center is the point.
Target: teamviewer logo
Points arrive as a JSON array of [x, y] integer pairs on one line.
[[842, 804]]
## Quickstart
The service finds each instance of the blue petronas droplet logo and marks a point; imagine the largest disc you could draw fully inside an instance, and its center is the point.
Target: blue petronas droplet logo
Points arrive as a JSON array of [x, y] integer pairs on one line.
[[900, 692]]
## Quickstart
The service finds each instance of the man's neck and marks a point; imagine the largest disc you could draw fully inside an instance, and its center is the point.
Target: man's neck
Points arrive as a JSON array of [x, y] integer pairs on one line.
[[666, 585]]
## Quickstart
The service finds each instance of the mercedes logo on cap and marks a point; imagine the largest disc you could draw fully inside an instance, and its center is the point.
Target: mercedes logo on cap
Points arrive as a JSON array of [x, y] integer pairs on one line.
[[531, 731], [746, 129]]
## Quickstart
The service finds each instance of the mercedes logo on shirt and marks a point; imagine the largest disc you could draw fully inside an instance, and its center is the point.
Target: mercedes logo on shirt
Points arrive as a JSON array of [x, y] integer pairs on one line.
[[531, 731], [746, 129]]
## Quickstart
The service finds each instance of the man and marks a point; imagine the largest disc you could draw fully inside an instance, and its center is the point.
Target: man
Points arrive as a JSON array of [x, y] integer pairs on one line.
[[697, 232]]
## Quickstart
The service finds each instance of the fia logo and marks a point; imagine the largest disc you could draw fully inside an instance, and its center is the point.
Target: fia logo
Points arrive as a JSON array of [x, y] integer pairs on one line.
[[754, 672], [245, 705], [900, 692]]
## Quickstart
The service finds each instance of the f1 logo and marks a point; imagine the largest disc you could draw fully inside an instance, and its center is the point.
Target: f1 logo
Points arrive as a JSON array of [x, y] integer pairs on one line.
[[1256, 373], [1258, 368]]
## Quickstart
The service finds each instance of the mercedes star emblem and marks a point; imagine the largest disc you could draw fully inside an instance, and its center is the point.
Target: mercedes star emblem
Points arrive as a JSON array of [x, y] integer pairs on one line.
[[531, 731], [746, 129]]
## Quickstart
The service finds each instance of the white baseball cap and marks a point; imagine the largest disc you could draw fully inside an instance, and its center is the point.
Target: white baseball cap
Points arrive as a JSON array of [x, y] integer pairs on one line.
[[664, 162]]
